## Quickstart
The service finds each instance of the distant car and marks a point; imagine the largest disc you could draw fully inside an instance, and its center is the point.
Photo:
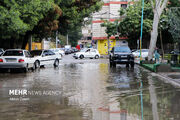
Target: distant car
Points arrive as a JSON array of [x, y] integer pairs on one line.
[[75, 49], [121, 55], [144, 53], [45, 57], [67, 51], [58, 51], [87, 53], [175, 52], [1, 51], [17, 58]]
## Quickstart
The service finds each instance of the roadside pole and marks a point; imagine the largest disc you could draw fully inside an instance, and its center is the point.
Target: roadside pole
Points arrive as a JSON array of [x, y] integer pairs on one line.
[[30, 42], [67, 40], [56, 38], [141, 57], [141, 29]]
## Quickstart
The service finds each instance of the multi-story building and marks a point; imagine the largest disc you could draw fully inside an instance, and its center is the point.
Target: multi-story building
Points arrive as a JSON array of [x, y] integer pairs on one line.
[[110, 12]]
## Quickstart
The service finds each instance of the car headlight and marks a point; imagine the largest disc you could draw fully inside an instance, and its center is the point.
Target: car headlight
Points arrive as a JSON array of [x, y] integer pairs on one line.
[[131, 55], [116, 55]]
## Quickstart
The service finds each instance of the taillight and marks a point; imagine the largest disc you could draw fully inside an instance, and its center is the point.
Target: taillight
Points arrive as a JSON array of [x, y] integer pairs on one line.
[[21, 60], [1, 60]]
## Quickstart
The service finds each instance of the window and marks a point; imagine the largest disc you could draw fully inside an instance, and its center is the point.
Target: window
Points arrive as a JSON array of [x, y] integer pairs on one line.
[[46, 53], [93, 50], [50, 52], [27, 54], [122, 49], [124, 6], [13, 53], [36, 52]]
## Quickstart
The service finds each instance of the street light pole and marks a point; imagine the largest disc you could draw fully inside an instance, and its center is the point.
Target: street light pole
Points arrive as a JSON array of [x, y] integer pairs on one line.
[[141, 56], [56, 38], [141, 29], [67, 39]]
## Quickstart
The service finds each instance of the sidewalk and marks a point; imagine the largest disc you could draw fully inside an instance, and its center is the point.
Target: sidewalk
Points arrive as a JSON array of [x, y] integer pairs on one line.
[[168, 77]]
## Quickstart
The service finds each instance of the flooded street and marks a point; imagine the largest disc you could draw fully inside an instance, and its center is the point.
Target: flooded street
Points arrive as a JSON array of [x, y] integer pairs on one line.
[[87, 89]]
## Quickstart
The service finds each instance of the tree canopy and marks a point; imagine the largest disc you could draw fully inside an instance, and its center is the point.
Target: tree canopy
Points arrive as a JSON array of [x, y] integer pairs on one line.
[[18, 18]]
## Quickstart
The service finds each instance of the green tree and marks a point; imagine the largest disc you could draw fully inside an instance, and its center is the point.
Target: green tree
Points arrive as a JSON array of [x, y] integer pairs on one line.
[[42, 18], [19, 17], [130, 24]]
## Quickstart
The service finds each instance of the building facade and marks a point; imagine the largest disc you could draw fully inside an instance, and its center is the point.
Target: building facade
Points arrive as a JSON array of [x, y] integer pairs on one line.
[[110, 12]]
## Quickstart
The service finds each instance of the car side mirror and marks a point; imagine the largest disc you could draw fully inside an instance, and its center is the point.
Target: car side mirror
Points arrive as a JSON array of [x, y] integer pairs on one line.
[[43, 55]]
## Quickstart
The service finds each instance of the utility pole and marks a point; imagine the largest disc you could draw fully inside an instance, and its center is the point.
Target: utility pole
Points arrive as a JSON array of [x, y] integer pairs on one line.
[[109, 36], [56, 39], [141, 29], [67, 40], [30, 42]]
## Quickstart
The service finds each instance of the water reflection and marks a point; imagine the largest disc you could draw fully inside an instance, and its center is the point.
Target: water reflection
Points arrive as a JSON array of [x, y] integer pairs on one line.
[[90, 91]]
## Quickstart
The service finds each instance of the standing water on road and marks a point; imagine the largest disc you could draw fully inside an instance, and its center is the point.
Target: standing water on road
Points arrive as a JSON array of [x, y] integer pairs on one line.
[[87, 90]]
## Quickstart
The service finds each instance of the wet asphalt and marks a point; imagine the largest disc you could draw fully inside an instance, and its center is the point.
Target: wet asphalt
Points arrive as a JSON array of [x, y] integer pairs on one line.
[[87, 89]]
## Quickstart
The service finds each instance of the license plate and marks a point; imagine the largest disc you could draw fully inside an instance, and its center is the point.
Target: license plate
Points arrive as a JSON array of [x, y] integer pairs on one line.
[[124, 56], [124, 60], [10, 60]]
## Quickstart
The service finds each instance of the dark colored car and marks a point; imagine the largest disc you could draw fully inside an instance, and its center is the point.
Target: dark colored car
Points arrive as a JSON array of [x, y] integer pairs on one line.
[[67, 51], [121, 55]]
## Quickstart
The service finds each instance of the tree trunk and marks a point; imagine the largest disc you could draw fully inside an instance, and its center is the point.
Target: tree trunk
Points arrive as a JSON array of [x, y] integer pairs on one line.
[[26, 38], [154, 35]]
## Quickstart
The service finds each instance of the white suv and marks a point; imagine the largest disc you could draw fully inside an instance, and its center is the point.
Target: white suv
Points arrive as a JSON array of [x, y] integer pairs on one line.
[[87, 53], [45, 57]]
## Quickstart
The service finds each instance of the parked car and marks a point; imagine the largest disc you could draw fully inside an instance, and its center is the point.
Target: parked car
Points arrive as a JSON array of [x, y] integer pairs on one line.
[[45, 57], [1, 51], [17, 58], [74, 49], [144, 53], [175, 52], [121, 55], [87, 53], [58, 51], [67, 51]]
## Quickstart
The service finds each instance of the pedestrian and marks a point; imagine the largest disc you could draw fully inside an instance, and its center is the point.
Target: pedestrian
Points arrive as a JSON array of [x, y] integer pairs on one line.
[[156, 55]]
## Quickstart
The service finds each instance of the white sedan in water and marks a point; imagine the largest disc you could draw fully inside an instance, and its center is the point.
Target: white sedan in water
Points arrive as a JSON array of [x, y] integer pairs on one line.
[[45, 57], [144, 53], [17, 59], [87, 53]]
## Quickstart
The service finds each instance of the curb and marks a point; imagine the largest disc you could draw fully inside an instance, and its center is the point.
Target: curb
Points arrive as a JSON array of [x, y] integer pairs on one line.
[[163, 78]]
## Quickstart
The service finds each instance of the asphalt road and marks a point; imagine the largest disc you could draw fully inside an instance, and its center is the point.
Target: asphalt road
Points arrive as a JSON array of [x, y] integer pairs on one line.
[[87, 89]]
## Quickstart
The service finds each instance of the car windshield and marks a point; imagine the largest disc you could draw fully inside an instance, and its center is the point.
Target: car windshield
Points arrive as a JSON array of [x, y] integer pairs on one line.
[[83, 50], [122, 49], [13, 53], [36, 52]]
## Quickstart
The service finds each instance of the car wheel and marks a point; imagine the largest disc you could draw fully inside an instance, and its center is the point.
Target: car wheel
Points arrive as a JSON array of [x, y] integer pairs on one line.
[[34, 67], [81, 56], [113, 64], [37, 64], [127, 64], [26, 69], [132, 64], [97, 56], [56, 63]]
